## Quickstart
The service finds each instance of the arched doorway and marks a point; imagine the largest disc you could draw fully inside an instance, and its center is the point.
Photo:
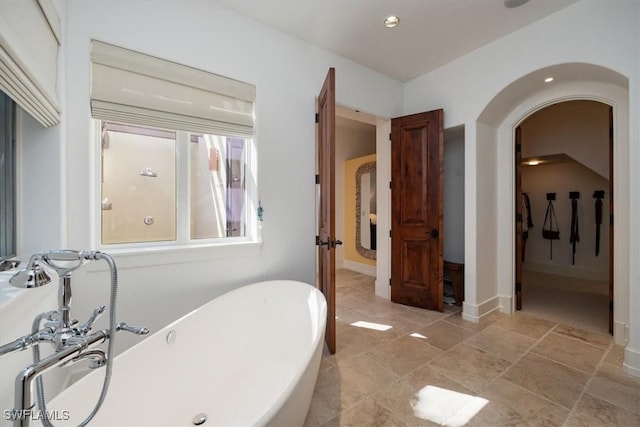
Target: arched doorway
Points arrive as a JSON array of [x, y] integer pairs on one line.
[[495, 133], [563, 182]]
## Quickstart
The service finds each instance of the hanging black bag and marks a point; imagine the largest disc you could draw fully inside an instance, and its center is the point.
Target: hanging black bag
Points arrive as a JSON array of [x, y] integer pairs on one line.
[[575, 233], [550, 216], [547, 231]]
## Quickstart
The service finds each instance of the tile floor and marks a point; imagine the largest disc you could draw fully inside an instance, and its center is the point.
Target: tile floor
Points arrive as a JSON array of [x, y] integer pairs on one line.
[[433, 368]]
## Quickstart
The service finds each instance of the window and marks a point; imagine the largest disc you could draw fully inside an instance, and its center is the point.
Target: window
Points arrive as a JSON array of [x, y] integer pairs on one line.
[[177, 153], [7, 177], [143, 182]]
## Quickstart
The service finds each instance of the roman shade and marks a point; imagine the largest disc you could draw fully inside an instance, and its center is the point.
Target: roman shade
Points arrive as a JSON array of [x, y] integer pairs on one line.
[[133, 87], [29, 41]]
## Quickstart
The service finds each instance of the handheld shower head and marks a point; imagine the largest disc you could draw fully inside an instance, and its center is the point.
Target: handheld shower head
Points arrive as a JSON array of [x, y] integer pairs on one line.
[[32, 276]]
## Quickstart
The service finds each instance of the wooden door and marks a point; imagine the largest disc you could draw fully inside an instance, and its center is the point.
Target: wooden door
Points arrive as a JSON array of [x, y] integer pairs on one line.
[[416, 210], [518, 197], [325, 240]]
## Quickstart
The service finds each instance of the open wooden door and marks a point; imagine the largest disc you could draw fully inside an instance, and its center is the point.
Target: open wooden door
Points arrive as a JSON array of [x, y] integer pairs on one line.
[[416, 210], [519, 217], [325, 119]]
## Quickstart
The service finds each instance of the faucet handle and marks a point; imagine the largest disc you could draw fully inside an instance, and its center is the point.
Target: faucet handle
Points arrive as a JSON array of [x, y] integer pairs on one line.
[[138, 330], [97, 312]]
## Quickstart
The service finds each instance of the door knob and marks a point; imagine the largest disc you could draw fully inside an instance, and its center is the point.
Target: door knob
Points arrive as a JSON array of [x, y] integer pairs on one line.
[[336, 243], [435, 233]]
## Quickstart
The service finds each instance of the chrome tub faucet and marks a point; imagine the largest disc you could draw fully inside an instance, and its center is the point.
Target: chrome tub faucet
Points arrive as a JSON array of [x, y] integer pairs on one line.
[[72, 342]]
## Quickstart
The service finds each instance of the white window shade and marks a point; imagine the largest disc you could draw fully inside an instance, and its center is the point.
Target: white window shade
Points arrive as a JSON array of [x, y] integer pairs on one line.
[[29, 41], [135, 88]]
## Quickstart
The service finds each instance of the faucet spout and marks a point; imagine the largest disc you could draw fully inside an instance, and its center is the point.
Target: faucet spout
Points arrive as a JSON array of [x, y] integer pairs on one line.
[[24, 401]]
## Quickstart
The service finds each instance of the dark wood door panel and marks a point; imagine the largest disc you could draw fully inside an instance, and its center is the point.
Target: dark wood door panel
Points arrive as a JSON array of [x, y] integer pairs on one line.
[[326, 179], [416, 220], [413, 178], [416, 261]]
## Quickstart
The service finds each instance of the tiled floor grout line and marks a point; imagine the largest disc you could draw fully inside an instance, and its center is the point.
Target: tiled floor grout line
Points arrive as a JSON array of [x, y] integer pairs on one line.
[[518, 360], [586, 385]]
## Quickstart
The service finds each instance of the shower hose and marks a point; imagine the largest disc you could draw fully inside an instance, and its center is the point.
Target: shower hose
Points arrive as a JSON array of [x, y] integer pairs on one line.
[[112, 331]]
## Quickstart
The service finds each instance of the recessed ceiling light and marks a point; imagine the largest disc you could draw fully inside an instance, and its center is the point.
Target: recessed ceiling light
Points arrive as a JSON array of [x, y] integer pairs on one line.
[[533, 162], [548, 80], [391, 21], [514, 3]]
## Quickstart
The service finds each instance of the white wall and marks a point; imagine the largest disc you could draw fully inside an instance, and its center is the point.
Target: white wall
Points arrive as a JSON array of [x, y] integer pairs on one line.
[[287, 73], [574, 42], [579, 129], [453, 209]]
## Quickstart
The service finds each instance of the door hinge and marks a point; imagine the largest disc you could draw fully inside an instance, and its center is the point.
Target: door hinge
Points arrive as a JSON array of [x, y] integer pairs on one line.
[[518, 287], [389, 136], [389, 281], [317, 240], [518, 217], [389, 233], [611, 219], [317, 118], [518, 147], [390, 187], [611, 305], [317, 179]]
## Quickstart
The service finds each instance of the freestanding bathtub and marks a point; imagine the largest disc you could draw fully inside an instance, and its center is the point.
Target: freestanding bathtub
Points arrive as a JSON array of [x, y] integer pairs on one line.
[[248, 357]]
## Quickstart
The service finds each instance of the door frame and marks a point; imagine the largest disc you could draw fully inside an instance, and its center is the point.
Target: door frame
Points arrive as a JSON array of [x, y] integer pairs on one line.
[[383, 194]]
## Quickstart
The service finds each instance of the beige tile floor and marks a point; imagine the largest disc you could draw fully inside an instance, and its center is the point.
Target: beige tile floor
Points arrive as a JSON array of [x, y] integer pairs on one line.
[[433, 368]]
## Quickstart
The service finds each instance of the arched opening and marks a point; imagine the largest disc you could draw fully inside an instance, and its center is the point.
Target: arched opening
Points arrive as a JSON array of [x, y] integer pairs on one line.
[[495, 178], [563, 182]]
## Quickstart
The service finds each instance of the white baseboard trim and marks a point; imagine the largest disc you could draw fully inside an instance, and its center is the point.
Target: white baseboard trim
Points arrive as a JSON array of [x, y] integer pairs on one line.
[[567, 270], [506, 304], [620, 333], [369, 270], [475, 313], [631, 363]]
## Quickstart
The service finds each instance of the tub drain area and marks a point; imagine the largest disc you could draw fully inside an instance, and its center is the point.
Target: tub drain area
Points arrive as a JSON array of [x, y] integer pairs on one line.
[[199, 419]]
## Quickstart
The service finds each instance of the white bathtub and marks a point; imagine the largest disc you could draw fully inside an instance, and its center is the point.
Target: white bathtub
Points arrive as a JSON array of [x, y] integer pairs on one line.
[[249, 357]]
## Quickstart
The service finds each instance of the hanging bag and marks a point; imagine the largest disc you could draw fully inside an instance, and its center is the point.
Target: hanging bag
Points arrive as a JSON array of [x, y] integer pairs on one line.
[[547, 231], [550, 215]]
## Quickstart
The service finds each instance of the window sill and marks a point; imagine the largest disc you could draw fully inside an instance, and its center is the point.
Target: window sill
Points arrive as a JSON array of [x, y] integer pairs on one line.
[[175, 254]]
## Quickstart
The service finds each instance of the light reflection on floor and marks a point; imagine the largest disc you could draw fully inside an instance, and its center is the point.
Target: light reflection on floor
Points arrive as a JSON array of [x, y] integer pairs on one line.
[[446, 407], [371, 325]]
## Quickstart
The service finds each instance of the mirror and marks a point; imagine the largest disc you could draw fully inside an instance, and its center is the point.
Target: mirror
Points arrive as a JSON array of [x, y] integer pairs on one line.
[[366, 219]]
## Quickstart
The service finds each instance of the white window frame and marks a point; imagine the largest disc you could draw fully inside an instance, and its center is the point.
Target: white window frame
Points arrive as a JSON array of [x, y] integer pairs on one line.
[[183, 242]]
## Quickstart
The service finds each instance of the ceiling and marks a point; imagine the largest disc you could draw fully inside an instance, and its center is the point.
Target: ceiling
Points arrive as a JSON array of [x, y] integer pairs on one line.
[[431, 33]]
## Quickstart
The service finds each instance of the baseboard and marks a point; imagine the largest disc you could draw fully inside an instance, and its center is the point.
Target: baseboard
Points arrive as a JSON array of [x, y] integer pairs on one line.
[[620, 333], [567, 270], [369, 270], [506, 304], [631, 363], [475, 313]]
